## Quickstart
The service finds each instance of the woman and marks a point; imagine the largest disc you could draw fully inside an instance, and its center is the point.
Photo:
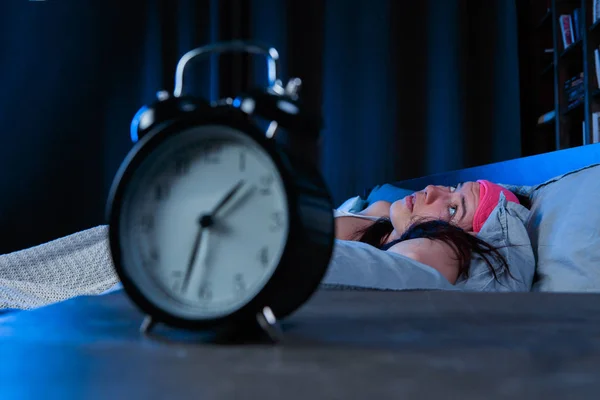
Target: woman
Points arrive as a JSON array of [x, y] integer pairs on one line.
[[436, 226]]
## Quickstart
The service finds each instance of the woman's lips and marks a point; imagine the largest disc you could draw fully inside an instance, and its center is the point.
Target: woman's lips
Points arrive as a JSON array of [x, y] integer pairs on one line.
[[409, 201]]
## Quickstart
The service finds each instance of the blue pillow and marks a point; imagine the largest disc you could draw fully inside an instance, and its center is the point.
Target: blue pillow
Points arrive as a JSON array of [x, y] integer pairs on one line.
[[387, 192]]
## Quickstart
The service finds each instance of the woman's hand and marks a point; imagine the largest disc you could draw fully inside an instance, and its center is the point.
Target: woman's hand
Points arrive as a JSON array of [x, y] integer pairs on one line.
[[434, 253]]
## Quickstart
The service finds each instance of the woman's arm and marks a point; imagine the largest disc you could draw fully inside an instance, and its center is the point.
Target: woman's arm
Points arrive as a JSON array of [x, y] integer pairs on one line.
[[346, 227], [436, 254]]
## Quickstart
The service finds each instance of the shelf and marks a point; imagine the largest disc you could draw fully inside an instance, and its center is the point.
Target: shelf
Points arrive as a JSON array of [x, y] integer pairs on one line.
[[595, 27], [547, 69], [546, 124], [545, 20], [572, 49], [550, 72], [573, 108], [546, 119]]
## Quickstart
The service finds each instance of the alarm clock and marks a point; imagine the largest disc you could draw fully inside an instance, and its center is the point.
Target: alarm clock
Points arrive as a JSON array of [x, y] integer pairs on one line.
[[213, 224]]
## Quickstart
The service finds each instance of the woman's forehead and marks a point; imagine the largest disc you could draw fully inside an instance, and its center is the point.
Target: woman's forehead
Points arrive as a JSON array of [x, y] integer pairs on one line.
[[469, 185]]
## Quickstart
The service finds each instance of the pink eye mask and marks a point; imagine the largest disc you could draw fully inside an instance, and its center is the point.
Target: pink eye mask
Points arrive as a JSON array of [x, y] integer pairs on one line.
[[489, 194]]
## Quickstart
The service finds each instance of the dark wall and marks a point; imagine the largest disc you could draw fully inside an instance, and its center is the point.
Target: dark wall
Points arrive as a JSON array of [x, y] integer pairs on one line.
[[407, 89], [52, 114]]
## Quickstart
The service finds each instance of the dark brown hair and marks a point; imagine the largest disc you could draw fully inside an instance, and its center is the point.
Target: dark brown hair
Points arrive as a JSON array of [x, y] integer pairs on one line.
[[462, 243]]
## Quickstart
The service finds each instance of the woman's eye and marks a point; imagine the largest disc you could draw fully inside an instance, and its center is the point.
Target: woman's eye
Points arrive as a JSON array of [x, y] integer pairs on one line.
[[452, 210]]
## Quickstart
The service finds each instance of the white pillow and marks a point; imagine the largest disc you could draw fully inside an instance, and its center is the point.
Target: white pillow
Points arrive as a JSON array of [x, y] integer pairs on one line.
[[564, 227], [351, 203], [505, 230], [359, 265]]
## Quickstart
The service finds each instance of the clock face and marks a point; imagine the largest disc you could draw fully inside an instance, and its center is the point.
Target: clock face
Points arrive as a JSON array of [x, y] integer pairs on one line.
[[204, 222]]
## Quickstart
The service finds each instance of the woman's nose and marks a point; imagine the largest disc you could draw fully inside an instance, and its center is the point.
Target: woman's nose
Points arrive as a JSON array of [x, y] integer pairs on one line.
[[432, 193]]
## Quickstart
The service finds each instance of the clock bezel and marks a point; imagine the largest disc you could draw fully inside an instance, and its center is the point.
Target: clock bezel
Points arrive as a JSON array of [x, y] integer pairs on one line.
[[285, 279]]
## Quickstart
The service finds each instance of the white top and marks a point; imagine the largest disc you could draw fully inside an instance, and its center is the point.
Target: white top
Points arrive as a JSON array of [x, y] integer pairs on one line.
[[340, 213]]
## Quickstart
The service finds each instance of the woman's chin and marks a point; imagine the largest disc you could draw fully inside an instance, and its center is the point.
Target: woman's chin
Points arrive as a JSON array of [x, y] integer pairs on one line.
[[400, 219]]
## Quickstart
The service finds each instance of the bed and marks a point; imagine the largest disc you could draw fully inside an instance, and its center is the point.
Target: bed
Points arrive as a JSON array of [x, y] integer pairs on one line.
[[553, 244], [80, 264], [367, 343]]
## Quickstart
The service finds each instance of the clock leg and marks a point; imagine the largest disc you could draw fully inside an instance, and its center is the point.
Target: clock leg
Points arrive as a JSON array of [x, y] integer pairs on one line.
[[268, 322], [147, 325]]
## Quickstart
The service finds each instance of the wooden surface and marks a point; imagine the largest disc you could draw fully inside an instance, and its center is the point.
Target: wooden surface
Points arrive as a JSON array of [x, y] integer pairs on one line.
[[342, 344]]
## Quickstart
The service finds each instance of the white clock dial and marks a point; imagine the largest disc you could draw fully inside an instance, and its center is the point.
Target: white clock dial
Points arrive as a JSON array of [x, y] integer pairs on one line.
[[204, 272]]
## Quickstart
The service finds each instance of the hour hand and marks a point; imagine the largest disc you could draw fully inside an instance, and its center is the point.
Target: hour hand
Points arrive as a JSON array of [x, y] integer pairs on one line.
[[227, 198], [240, 193]]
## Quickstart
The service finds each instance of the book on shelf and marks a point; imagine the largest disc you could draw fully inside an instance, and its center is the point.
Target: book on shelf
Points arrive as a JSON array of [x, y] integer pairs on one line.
[[596, 11], [574, 91], [597, 65], [576, 24], [566, 28], [596, 127]]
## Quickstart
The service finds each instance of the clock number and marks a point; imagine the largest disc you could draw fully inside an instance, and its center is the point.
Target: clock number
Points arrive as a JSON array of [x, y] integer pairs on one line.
[[150, 259], [147, 223], [265, 183], [161, 192], [154, 256], [182, 166], [263, 256], [242, 161], [239, 283], [205, 293], [212, 154], [276, 221], [177, 281]]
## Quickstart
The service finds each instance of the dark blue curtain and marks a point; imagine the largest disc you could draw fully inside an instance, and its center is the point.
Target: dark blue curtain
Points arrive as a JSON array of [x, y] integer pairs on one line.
[[406, 88]]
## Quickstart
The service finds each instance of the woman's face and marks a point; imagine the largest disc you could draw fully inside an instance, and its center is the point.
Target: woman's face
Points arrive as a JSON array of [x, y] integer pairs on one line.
[[455, 205]]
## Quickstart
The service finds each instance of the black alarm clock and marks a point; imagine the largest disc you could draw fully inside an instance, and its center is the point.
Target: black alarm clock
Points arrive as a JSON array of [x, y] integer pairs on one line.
[[212, 223]]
